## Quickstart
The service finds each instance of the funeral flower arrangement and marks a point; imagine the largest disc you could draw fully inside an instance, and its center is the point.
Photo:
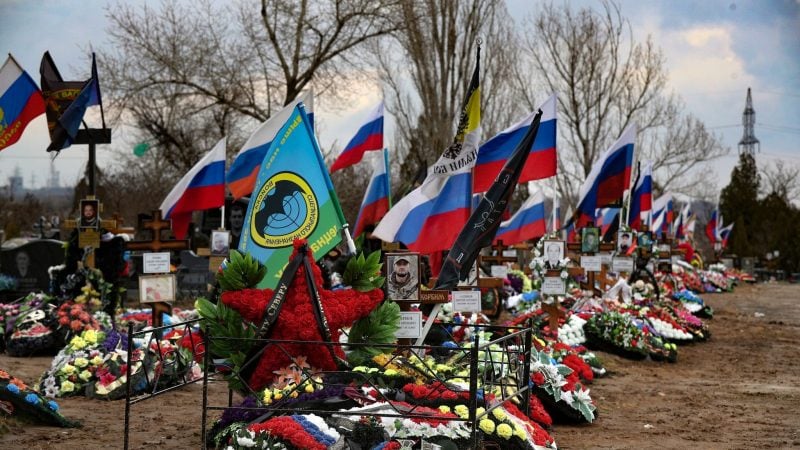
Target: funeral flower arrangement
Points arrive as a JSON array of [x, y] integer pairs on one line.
[[560, 390], [18, 400]]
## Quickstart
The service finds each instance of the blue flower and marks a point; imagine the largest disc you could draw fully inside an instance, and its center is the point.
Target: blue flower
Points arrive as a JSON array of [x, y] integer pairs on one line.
[[449, 344], [13, 388], [33, 399], [52, 405]]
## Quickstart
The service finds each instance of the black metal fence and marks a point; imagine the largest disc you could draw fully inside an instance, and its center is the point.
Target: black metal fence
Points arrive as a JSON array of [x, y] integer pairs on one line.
[[155, 367], [500, 365]]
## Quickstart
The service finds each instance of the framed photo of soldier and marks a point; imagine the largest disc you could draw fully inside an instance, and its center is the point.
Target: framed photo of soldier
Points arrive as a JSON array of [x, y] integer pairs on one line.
[[402, 276], [90, 218], [553, 253], [219, 242], [624, 241], [590, 240]]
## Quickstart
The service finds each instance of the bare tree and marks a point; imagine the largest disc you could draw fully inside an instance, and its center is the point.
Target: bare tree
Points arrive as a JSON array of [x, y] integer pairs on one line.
[[782, 180], [426, 67], [185, 75], [605, 81]]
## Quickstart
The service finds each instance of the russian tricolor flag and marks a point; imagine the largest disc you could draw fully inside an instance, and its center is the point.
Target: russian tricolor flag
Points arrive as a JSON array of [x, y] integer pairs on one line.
[[724, 234], [20, 102], [527, 223], [369, 137], [203, 187], [608, 180], [662, 214], [542, 161], [376, 200], [642, 197], [244, 168], [712, 228], [605, 218]]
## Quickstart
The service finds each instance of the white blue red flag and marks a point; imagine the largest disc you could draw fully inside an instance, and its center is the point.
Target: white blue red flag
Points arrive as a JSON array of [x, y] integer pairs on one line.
[[203, 187], [605, 219], [724, 234], [369, 137], [245, 166], [712, 227], [542, 161], [608, 180], [642, 197], [529, 222], [430, 217], [20, 102], [376, 201], [661, 219]]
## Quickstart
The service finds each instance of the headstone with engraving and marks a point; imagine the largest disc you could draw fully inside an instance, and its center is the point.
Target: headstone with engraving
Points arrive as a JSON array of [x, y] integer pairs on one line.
[[28, 263], [193, 274]]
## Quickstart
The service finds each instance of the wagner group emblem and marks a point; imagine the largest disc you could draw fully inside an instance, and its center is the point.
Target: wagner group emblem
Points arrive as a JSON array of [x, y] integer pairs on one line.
[[285, 209]]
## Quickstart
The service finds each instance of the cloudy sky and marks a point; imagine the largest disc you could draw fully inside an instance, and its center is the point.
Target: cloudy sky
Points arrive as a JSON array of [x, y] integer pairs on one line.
[[715, 50]]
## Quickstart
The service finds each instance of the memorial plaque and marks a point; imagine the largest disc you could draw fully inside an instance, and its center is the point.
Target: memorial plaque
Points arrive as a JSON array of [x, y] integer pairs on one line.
[[467, 301]]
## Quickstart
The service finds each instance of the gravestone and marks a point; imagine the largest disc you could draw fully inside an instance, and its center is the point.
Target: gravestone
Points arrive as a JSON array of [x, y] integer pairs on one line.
[[748, 265], [28, 263], [193, 275]]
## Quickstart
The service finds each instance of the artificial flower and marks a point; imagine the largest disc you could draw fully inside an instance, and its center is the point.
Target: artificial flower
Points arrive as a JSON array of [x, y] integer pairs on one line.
[[487, 426], [505, 431], [67, 386]]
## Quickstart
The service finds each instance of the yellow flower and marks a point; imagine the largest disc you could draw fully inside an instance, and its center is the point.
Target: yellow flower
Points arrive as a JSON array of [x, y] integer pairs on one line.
[[96, 361], [499, 414], [519, 432], [67, 386], [479, 412], [462, 411], [85, 375], [90, 336], [81, 362], [77, 343], [444, 408], [293, 394], [390, 372], [309, 388], [487, 426], [68, 369], [504, 431], [278, 395]]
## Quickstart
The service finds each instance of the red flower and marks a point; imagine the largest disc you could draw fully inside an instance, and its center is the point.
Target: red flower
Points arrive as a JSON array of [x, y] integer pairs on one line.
[[420, 392], [297, 321], [538, 379]]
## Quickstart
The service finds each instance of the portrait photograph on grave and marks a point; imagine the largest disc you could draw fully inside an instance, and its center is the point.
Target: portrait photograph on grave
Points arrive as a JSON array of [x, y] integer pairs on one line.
[[219, 242], [624, 241], [89, 214], [156, 288], [402, 280], [553, 253], [645, 239], [590, 240]]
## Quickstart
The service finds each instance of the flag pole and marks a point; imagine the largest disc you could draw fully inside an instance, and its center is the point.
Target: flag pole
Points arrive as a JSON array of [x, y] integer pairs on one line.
[[555, 205], [388, 175]]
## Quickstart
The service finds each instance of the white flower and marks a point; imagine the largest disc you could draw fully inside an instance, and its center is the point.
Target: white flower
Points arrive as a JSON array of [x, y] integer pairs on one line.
[[246, 441], [567, 397], [564, 274], [582, 396]]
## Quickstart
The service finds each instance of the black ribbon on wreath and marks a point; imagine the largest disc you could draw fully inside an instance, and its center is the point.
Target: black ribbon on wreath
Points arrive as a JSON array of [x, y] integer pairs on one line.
[[274, 306]]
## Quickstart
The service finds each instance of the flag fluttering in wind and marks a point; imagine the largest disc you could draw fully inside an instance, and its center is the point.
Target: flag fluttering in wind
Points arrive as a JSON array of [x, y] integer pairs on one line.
[[429, 217], [712, 227], [368, 137], [376, 201], [642, 197], [725, 234], [480, 229], [606, 220], [203, 187], [542, 162], [20, 102], [529, 222], [684, 224], [661, 219], [293, 199], [245, 166], [66, 102], [608, 180]]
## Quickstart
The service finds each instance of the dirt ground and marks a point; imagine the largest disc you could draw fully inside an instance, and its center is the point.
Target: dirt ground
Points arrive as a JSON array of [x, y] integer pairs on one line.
[[738, 390]]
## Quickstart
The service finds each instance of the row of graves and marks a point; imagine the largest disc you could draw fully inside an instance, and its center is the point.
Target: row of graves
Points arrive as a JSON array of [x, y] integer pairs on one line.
[[359, 353]]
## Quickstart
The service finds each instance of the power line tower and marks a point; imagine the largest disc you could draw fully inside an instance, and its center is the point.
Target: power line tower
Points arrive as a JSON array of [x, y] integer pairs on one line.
[[749, 144]]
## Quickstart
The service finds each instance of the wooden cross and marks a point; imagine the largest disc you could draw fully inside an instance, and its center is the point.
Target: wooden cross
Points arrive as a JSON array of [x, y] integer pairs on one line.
[[117, 227], [156, 225], [554, 312], [590, 276]]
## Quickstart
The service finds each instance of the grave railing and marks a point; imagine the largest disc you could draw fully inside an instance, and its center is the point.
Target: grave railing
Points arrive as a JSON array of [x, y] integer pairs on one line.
[[500, 365]]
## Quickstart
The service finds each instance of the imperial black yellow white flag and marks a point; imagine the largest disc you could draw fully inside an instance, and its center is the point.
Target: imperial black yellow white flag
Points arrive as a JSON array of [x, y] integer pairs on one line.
[[293, 199]]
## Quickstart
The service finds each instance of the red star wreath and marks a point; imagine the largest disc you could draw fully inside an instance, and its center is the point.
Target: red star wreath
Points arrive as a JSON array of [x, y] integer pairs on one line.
[[296, 320]]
